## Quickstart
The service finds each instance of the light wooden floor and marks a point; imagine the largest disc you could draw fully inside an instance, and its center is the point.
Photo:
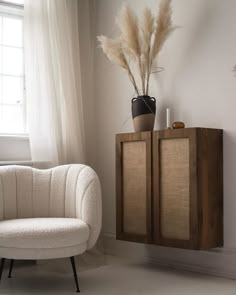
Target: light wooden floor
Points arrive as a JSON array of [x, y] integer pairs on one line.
[[112, 276]]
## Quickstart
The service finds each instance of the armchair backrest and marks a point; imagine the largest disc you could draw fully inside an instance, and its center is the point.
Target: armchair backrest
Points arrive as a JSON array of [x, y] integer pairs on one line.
[[64, 191]]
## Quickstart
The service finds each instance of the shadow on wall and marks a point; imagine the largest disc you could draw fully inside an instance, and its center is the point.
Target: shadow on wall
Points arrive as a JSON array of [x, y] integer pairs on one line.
[[229, 188]]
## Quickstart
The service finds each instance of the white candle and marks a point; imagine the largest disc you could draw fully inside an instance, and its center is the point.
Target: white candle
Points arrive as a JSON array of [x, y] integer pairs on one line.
[[168, 118]]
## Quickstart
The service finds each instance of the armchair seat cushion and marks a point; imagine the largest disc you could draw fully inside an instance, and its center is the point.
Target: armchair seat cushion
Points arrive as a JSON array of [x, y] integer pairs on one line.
[[43, 233]]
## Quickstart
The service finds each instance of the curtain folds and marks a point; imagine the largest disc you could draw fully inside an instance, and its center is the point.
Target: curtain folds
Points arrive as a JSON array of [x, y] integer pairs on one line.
[[53, 81]]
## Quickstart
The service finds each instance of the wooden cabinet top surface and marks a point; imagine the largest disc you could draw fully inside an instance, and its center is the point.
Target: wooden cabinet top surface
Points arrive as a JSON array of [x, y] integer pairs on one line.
[[171, 131]]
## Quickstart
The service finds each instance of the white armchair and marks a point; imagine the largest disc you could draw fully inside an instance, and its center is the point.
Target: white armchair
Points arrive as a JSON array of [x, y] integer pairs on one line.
[[49, 213]]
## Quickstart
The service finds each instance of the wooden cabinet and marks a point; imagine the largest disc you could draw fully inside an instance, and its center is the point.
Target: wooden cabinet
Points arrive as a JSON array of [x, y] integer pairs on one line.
[[170, 187]]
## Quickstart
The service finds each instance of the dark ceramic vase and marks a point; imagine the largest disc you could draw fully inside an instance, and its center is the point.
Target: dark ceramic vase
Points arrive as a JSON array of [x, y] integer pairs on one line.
[[143, 113]]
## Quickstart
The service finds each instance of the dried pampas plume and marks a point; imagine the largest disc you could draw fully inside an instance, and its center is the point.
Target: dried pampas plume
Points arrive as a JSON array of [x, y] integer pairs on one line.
[[163, 27], [147, 29], [114, 52], [128, 25], [139, 42]]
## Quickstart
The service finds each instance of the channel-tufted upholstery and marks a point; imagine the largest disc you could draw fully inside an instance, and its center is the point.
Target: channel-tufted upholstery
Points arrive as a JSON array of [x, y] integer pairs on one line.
[[48, 213]]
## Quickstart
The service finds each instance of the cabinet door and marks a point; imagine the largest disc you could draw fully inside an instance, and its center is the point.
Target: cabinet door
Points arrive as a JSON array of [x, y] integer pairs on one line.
[[175, 188], [133, 186]]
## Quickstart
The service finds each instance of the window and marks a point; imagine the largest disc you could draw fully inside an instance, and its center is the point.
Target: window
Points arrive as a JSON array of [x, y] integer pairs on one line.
[[12, 93], [14, 1]]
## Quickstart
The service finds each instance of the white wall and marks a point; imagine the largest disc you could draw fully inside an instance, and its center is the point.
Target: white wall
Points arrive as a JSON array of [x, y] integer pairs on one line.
[[198, 85]]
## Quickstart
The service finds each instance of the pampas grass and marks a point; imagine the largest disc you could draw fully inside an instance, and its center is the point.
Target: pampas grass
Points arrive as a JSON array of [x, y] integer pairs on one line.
[[139, 42], [114, 52], [128, 24]]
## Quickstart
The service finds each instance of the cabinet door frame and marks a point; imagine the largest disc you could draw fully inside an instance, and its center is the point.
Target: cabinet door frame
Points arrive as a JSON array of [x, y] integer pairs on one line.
[[191, 134], [120, 234]]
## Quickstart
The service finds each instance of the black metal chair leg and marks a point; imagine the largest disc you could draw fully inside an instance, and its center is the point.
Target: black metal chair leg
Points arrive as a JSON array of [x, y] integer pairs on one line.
[[11, 266], [72, 260], [2, 267]]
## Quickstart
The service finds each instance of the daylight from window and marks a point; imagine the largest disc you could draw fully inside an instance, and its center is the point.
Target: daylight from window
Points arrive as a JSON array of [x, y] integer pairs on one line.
[[14, 1], [12, 103]]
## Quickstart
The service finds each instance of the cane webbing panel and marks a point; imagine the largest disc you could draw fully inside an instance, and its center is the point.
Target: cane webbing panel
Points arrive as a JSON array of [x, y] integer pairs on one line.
[[134, 187], [174, 188]]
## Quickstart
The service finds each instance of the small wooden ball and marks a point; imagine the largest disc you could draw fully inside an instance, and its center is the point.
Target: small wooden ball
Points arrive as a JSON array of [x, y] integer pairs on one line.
[[178, 125]]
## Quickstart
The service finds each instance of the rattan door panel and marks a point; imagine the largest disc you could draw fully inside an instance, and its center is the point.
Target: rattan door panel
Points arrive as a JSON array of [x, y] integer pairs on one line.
[[133, 180], [134, 187], [174, 188]]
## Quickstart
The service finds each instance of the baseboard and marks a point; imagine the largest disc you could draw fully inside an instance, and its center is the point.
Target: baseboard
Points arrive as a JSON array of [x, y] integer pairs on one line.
[[218, 262]]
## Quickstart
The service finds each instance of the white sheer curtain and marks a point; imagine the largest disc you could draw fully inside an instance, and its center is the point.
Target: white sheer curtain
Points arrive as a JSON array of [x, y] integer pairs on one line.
[[53, 81]]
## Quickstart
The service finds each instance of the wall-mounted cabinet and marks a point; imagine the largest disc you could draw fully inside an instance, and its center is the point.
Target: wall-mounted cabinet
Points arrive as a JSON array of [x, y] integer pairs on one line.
[[170, 187]]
